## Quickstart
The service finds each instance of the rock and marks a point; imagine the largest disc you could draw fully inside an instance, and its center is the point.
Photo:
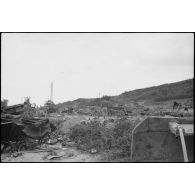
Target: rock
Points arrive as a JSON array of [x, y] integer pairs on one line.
[[7, 149], [52, 141], [70, 154], [83, 122], [70, 143], [53, 157], [16, 154], [2, 146], [60, 139], [93, 151], [111, 120], [56, 154]]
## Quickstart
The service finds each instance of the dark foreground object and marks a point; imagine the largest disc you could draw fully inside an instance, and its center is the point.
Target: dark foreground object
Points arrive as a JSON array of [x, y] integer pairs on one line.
[[154, 142], [12, 128]]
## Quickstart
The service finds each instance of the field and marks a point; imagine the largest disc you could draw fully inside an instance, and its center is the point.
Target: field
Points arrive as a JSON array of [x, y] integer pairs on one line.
[[90, 138]]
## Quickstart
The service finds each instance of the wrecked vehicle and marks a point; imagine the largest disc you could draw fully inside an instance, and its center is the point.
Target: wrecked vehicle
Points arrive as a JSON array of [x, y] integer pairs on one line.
[[16, 129], [15, 109]]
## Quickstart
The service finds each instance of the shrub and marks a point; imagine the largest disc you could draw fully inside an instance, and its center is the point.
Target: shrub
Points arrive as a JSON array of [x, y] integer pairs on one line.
[[106, 97], [88, 136], [51, 107]]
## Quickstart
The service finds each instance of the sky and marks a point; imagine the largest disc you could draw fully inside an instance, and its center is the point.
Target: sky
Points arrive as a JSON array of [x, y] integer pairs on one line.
[[86, 65]]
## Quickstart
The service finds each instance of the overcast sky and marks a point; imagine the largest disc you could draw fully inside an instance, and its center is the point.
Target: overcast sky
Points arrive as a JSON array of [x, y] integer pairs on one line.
[[84, 65]]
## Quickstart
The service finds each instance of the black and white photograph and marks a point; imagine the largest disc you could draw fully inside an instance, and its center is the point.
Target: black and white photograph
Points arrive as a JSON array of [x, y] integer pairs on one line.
[[97, 97]]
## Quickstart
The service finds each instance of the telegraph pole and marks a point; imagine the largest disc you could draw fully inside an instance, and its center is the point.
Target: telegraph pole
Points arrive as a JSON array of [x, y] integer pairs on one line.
[[51, 96]]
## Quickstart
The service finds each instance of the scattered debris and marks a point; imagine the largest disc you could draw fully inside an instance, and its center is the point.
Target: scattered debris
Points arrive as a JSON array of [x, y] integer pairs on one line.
[[70, 144], [93, 151], [7, 149], [2, 146], [19, 132], [16, 154], [52, 141], [22, 132], [53, 155]]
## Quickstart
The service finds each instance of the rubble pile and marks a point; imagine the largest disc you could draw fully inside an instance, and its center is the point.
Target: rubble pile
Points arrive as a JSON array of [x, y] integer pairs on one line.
[[23, 133]]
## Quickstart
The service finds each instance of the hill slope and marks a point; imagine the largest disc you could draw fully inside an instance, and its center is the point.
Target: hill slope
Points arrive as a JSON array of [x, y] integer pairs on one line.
[[179, 90]]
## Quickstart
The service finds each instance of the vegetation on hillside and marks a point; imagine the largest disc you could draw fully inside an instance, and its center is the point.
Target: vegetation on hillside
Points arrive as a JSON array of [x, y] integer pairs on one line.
[[179, 90], [97, 136]]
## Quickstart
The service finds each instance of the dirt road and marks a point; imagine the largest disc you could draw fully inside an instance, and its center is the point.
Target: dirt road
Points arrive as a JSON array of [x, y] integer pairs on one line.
[[52, 154]]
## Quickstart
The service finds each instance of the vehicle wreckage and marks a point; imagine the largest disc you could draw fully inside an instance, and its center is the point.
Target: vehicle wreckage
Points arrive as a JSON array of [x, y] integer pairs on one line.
[[17, 129], [163, 139]]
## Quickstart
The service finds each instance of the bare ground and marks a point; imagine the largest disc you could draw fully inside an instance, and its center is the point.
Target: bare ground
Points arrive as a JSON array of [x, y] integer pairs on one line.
[[61, 154], [57, 152]]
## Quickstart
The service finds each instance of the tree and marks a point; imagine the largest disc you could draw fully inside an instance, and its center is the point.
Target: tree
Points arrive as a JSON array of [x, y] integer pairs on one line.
[[51, 107]]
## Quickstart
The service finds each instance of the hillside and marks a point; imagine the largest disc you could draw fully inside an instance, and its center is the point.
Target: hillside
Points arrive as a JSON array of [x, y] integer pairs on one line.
[[178, 90]]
